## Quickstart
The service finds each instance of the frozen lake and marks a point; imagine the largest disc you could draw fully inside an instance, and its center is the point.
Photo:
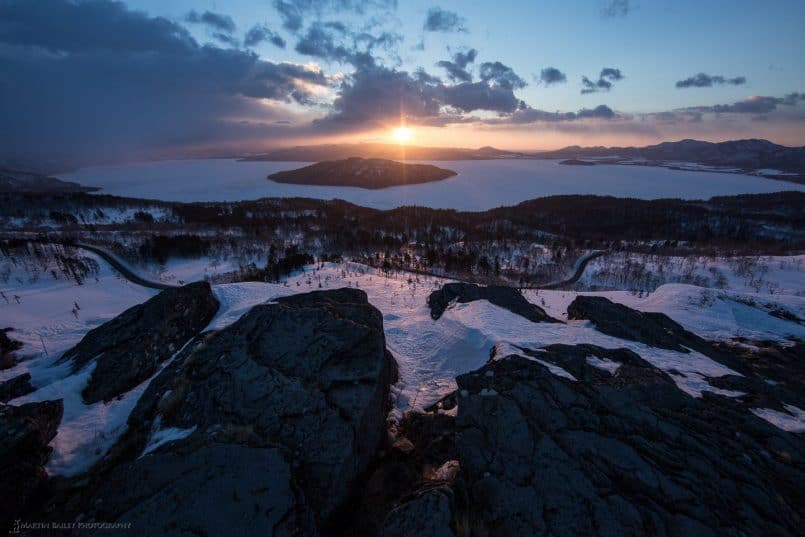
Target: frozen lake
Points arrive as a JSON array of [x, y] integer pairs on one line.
[[479, 185]]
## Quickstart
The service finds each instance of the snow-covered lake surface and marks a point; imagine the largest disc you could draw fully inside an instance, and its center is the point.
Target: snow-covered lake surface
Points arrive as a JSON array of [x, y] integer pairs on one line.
[[479, 185]]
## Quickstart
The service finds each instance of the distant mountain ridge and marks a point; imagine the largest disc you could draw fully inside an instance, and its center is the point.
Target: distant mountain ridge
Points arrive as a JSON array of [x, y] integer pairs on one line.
[[317, 153], [359, 172], [753, 156], [22, 181], [745, 155]]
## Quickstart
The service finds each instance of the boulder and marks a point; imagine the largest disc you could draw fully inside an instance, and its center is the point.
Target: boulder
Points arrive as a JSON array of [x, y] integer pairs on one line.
[[505, 297], [279, 414], [128, 349], [15, 387], [617, 320], [25, 432], [621, 452]]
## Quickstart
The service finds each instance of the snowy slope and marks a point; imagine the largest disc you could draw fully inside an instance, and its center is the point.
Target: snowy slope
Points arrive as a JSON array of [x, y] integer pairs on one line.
[[430, 353]]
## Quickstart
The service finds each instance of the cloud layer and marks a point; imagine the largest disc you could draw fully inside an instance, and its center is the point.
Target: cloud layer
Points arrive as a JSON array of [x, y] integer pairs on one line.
[[703, 80]]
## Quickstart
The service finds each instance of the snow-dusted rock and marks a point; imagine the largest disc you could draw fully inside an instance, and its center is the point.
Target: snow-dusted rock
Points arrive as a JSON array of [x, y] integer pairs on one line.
[[617, 320], [499, 295], [283, 409], [128, 349], [15, 387]]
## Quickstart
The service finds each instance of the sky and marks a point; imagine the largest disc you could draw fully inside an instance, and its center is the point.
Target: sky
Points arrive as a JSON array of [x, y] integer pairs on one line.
[[94, 80]]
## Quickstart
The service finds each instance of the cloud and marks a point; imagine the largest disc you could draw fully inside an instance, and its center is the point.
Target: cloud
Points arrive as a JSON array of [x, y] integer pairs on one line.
[[756, 104], [616, 8], [457, 69], [260, 33], [442, 20], [471, 96], [216, 21], [129, 83], [294, 12], [375, 95], [502, 75], [526, 114], [378, 94], [606, 79], [703, 80], [67, 27], [334, 42], [552, 75]]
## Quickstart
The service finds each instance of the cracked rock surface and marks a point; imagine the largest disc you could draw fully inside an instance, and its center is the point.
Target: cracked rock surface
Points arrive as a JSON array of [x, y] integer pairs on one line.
[[618, 454], [276, 417]]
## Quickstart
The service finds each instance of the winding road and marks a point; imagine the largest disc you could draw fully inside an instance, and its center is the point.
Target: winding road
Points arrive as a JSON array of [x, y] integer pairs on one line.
[[130, 274], [581, 265], [122, 267]]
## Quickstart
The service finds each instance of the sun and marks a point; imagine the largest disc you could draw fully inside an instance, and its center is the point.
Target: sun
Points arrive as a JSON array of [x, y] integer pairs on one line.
[[402, 134]]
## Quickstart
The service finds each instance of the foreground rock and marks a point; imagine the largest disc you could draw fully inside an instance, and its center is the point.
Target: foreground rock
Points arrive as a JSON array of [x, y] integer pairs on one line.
[[15, 387], [505, 297], [372, 173], [623, 453], [263, 428], [128, 349], [25, 432]]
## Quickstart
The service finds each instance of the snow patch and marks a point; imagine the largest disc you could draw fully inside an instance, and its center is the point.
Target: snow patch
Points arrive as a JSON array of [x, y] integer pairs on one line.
[[604, 363], [793, 420], [160, 437]]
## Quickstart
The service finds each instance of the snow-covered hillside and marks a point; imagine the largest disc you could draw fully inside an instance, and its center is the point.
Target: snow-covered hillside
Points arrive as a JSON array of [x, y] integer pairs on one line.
[[430, 353]]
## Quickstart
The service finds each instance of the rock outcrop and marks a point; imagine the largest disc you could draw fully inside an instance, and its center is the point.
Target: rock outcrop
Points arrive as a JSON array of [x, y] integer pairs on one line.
[[128, 349], [25, 432], [262, 428], [617, 320], [618, 453], [15, 387], [505, 297]]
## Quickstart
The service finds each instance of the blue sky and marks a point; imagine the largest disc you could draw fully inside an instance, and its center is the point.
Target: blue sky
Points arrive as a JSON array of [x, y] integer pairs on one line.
[[146, 77]]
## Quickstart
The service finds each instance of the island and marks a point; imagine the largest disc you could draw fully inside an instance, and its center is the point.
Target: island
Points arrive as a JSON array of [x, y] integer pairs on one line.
[[371, 173], [577, 162]]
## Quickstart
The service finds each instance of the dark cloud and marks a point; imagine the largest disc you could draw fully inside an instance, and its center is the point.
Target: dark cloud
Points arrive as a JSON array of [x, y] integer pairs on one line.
[[260, 33], [471, 96], [502, 75], [457, 69], [606, 79], [616, 8], [376, 95], [294, 12], [442, 20], [703, 80], [220, 23], [334, 42], [527, 114], [68, 27], [757, 104], [127, 83], [552, 75]]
